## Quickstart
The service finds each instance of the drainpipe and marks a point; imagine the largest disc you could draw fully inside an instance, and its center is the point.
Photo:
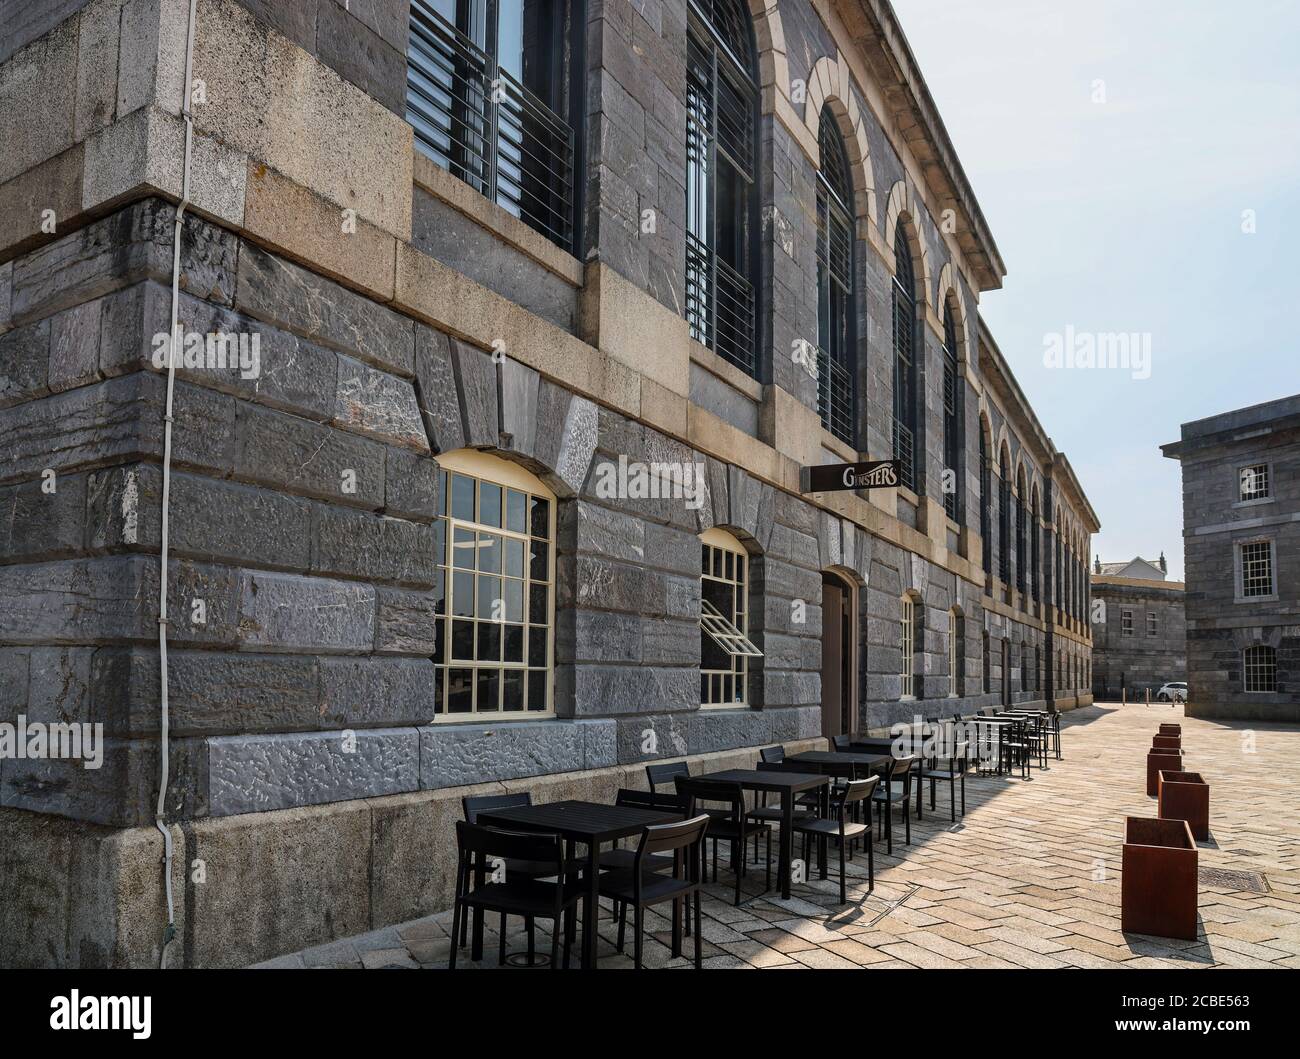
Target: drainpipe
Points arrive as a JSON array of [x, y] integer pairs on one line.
[[164, 733]]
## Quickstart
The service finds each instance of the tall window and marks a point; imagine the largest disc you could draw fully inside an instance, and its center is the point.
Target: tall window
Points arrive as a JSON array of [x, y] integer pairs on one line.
[[495, 543], [1021, 530], [1259, 663], [952, 429], [489, 93], [721, 165], [1126, 622], [1004, 519], [986, 677], [956, 654], [904, 358], [836, 380], [725, 647], [1035, 540], [908, 647], [1256, 569], [1153, 624], [986, 498], [1024, 667]]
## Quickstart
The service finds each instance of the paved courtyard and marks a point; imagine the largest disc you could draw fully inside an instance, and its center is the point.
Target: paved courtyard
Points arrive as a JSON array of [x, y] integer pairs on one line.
[[1029, 878]]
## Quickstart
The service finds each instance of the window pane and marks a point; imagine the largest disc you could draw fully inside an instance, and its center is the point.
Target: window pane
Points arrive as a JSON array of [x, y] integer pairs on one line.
[[516, 511], [463, 548], [514, 557], [489, 690], [460, 689], [489, 504], [537, 646], [537, 609], [539, 567], [491, 605], [462, 497], [537, 689], [512, 689], [489, 641], [541, 518], [462, 640], [489, 553], [514, 597], [514, 643], [462, 594]]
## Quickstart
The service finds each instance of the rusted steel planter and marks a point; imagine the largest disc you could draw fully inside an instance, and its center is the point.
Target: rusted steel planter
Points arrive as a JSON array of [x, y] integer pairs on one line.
[[1166, 742], [1185, 796], [1158, 892], [1171, 729], [1169, 760]]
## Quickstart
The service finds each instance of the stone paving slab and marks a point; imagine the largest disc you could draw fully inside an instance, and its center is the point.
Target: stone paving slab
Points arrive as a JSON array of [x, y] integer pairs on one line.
[[1030, 877]]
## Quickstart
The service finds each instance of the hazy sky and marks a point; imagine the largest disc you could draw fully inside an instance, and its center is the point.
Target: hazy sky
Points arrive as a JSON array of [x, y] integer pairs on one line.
[[1114, 147]]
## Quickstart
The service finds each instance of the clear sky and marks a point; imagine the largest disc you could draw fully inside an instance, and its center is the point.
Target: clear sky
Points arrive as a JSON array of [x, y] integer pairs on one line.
[[1115, 147]]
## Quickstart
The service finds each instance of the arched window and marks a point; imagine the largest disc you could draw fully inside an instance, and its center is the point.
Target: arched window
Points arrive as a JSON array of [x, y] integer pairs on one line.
[[907, 608], [836, 360], [986, 676], [1004, 517], [952, 428], [986, 499], [1021, 530], [904, 358], [721, 168], [495, 543], [491, 96], [1035, 559], [1259, 664], [956, 653], [725, 647]]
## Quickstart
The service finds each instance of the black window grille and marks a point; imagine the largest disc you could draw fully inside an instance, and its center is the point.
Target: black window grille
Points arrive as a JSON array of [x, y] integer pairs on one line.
[[1035, 539], [952, 432], [986, 500], [486, 93], [836, 358], [721, 150], [1004, 520], [904, 359], [1021, 535]]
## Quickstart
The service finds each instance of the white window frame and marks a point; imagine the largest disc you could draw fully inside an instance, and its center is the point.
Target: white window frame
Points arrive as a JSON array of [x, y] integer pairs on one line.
[[1153, 624], [907, 669], [1239, 568], [1247, 666], [1126, 622], [956, 648], [1263, 467], [729, 632], [485, 468]]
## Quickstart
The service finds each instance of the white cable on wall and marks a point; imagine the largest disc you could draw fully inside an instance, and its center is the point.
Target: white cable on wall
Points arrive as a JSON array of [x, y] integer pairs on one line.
[[164, 733]]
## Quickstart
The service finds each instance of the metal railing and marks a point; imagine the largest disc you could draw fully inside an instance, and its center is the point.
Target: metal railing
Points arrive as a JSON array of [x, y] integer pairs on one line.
[[719, 306], [835, 396], [903, 454], [480, 124]]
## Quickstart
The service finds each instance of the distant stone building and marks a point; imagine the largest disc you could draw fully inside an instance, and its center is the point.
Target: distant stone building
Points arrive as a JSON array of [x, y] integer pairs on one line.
[[1139, 633], [1241, 526]]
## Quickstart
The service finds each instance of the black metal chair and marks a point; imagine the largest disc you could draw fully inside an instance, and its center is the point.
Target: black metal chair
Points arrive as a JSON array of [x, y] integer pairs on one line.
[[513, 895], [762, 812], [666, 773], [620, 859], [896, 789], [642, 886], [947, 764], [1013, 747], [731, 825], [772, 755], [837, 825], [842, 743]]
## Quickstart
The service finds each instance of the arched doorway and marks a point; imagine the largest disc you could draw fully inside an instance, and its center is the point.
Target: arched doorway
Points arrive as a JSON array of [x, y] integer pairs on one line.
[[839, 657]]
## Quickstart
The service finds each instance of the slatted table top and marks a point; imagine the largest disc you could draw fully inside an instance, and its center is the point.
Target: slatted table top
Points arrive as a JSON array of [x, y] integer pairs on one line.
[[581, 821]]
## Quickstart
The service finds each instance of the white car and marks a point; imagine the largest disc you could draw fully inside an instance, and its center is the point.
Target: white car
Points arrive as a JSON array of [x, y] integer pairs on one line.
[[1175, 691]]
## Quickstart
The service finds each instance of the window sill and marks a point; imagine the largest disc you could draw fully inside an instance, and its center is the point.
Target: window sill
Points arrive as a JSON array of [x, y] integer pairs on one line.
[[724, 706], [432, 178], [728, 373], [491, 718], [1257, 599]]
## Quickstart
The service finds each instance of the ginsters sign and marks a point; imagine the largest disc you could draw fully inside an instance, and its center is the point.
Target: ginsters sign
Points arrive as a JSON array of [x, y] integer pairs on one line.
[[877, 474]]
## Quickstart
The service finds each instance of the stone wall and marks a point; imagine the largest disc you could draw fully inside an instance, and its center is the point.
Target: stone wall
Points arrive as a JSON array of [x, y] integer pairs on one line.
[[1140, 661]]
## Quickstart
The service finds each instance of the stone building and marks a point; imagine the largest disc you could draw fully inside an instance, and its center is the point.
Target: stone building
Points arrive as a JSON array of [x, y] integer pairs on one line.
[[1241, 533], [1139, 635], [502, 351]]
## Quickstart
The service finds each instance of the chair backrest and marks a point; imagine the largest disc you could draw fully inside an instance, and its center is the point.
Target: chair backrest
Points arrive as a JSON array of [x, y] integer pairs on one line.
[[522, 845], [664, 838], [783, 766], [483, 803], [771, 754], [631, 796], [666, 772], [900, 767], [841, 742], [718, 791], [856, 790]]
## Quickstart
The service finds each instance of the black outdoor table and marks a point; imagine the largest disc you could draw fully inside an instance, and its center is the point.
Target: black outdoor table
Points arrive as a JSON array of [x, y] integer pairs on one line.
[[787, 785], [833, 758], [590, 823]]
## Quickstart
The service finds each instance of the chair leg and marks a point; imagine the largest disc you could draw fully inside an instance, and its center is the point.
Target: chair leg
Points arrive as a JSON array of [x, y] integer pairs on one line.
[[889, 827], [637, 914], [963, 793], [907, 823], [871, 862], [952, 797], [501, 941], [677, 926], [557, 928], [457, 921], [844, 893], [767, 863], [698, 949], [568, 934]]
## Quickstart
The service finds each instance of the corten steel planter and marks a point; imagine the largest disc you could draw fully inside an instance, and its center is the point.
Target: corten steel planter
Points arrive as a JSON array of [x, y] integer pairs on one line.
[[1185, 796], [1158, 891], [1171, 729], [1166, 742], [1169, 760]]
